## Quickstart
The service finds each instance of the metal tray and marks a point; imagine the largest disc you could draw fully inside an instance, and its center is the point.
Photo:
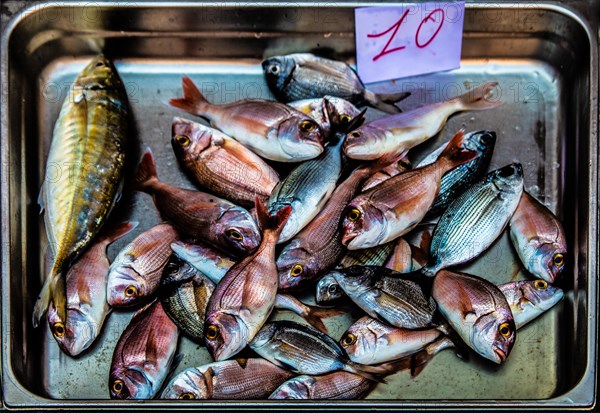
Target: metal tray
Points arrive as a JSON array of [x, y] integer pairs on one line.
[[545, 57]]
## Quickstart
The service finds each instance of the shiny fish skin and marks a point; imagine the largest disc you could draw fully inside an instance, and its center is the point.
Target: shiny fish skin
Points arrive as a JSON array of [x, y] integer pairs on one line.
[[387, 296], [200, 215], [135, 273], [244, 298], [86, 295], [89, 140], [270, 129], [328, 111], [339, 385], [398, 167], [530, 299], [397, 134], [475, 219], [210, 262], [221, 164], [304, 75], [538, 238], [143, 355], [184, 294], [244, 379], [462, 177], [398, 205], [478, 312]]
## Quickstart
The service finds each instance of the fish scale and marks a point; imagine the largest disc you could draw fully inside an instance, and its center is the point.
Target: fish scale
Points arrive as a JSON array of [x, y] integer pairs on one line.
[[339, 385]]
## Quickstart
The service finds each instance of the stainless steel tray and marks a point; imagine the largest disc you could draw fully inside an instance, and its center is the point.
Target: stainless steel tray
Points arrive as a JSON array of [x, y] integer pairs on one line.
[[545, 57]]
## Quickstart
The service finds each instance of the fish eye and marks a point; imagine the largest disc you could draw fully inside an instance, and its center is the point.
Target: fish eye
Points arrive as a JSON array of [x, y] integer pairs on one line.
[[234, 234], [345, 118], [356, 134], [558, 259], [187, 396], [333, 289], [274, 69], [296, 270], [353, 215], [212, 332], [58, 329], [505, 330], [485, 138], [307, 126], [182, 140], [348, 340], [99, 64], [540, 284], [131, 291], [117, 386], [403, 165]]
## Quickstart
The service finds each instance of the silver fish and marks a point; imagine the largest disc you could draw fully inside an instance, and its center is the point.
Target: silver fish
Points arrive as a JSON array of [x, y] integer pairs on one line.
[[329, 112], [530, 299], [339, 385], [475, 219]]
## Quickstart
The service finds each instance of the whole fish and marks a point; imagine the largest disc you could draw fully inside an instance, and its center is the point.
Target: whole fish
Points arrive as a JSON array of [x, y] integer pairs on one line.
[[396, 206], [369, 341], [244, 298], [475, 219], [339, 385], [143, 355], [478, 311], [84, 173], [184, 294], [530, 299], [539, 239], [86, 295], [272, 130], [240, 379], [305, 350], [329, 112], [398, 167], [460, 178], [303, 76], [221, 164], [318, 247], [200, 215], [397, 134], [387, 296], [135, 273]]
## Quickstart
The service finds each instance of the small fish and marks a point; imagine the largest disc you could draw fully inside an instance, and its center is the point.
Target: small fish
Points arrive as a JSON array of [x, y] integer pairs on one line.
[[395, 207], [221, 164], [387, 296], [303, 76], [396, 168], [305, 350], [241, 379], [184, 294], [143, 355], [272, 130], [200, 215], [86, 295], [135, 273], [478, 312], [339, 385], [245, 297], [530, 299], [462, 177], [369, 341], [329, 112], [88, 146], [539, 239], [396, 134], [475, 219]]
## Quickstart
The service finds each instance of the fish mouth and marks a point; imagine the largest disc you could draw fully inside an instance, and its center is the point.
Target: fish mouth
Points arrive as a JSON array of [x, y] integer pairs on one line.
[[347, 238], [500, 354]]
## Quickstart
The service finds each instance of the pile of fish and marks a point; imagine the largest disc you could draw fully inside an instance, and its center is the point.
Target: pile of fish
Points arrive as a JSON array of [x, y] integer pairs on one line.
[[349, 218]]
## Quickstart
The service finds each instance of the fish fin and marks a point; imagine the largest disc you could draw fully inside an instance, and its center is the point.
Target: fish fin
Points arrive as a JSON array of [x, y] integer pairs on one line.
[[393, 97], [119, 231], [374, 373], [453, 154], [40, 200], [243, 362], [208, 380], [420, 360], [479, 98], [192, 100], [271, 223], [315, 315], [146, 173], [385, 102], [426, 238], [54, 290], [419, 255]]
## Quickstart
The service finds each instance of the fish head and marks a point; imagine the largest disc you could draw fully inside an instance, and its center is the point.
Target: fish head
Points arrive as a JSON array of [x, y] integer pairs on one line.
[[509, 179], [77, 334], [353, 280], [480, 141], [278, 70], [129, 383], [125, 285], [189, 139], [363, 225], [493, 335], [296, 267], [238, 230], [363, 142], [297, 388], [360, 342], [264, 336], [99, 74], [225, 334], [176, 272], [540, 294], [328, 290], [300, 137], [190, 384], [548, 261]]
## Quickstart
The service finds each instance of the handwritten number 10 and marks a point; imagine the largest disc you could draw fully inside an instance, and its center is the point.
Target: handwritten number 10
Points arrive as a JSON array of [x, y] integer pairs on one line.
[[396, 26]]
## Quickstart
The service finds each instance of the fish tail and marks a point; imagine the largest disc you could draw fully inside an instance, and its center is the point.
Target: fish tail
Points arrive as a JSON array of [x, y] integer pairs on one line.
[[374, 373], [53, 291], [119, 230], [272, 224], [192, 101], [454, 154], [385, 101], [315, 315], [146, 173], [479, 98], [419, 361]]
